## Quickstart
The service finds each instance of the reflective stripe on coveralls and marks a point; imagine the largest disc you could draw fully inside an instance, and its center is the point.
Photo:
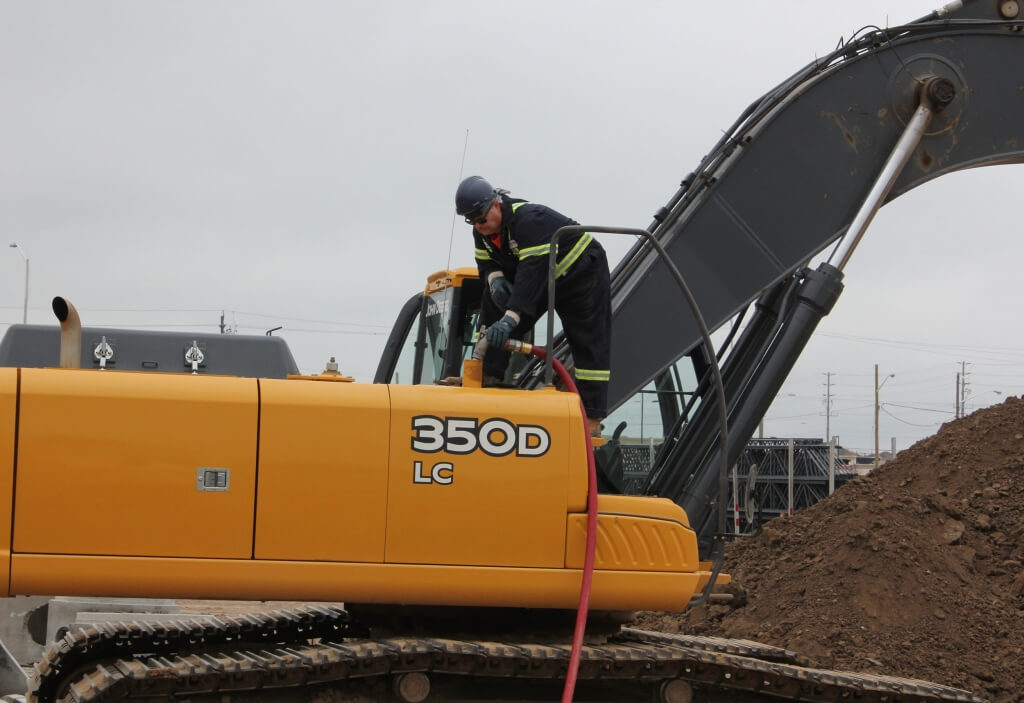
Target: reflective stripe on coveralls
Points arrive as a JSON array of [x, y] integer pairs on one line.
[[567, 261], [593, 374]]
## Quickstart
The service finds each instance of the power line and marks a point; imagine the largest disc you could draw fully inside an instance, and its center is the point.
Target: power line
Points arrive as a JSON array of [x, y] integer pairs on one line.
[[314, 322], [905, 422], [919, 345], [914, 407]]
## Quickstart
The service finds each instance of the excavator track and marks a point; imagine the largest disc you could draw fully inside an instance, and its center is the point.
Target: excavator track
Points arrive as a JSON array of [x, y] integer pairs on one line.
[[305, 654]]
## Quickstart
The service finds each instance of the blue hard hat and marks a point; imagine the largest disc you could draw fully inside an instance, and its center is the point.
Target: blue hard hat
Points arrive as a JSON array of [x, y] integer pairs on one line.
[[474, 195]]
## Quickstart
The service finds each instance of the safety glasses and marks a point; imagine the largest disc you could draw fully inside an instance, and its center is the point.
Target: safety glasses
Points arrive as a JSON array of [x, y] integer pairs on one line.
[[479, 216]]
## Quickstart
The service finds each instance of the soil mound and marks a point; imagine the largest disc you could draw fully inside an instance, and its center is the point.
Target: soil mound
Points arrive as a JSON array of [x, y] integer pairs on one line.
[[915, 570]]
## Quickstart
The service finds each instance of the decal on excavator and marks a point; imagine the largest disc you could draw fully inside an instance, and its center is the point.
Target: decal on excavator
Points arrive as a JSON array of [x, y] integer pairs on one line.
[[463, 435], [443, 473]]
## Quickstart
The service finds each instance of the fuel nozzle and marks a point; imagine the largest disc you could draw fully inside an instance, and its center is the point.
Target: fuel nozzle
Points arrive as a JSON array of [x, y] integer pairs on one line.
[[518, 346], [472, 368], [513, 345]]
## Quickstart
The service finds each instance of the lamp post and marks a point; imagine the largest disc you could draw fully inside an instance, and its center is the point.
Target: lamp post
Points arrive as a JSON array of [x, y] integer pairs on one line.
[[963, 405], [24, 313], [878, 387]]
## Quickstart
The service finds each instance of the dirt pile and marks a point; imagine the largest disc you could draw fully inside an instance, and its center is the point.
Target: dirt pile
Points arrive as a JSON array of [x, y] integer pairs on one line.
[[916, 570]]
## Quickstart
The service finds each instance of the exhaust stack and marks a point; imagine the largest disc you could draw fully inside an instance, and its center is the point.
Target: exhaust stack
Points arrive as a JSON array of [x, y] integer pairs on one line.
[[70, 333]]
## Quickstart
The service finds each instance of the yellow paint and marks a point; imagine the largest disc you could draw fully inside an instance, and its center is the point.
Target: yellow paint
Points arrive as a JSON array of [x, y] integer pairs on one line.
[[107, 463], [453, 278], [323, 479], [353, 583], [635, 534], [324, 376], [705, 575], [8, 405], [472, 373], [505, 510], [427, 495]]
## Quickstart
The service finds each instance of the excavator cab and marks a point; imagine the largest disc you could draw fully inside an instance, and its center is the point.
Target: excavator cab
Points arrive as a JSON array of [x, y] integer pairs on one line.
[[436, 331]]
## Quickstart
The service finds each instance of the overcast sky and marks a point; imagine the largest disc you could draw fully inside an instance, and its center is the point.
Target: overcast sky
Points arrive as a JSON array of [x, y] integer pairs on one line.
[[294, 164]]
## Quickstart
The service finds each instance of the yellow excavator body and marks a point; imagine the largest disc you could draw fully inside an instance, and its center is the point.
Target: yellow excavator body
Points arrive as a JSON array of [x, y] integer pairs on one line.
[[193, 486]]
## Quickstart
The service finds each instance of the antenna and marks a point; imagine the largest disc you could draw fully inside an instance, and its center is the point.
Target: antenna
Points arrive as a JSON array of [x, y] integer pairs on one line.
[[451, 238]]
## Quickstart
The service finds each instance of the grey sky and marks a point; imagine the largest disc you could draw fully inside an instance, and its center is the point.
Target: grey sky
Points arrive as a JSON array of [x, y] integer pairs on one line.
[[294, 163]]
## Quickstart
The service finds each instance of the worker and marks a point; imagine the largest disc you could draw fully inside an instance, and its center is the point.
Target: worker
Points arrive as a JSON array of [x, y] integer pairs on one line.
[[513, 241]]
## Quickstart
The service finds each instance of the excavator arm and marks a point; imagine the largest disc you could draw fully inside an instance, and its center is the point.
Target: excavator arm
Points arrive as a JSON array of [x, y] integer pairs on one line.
[[802, 168], [788, 177]]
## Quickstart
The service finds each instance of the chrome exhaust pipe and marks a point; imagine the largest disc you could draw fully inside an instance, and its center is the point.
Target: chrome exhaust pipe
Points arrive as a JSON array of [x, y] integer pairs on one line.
[[70, 333]]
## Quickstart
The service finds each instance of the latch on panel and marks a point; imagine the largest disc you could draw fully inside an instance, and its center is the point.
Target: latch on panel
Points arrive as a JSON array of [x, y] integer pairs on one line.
[[194, 356], [208, 479], [103, 352]]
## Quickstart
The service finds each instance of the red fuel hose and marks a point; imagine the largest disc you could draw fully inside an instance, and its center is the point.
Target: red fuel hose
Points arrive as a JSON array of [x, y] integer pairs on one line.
[[588, 561]]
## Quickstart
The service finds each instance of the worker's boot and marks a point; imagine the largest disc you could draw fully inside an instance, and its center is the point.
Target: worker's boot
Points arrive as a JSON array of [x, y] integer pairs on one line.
[[595, 426]]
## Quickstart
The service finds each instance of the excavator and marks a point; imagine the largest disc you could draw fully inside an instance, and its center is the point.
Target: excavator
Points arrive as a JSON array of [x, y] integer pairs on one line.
[[461, 526]]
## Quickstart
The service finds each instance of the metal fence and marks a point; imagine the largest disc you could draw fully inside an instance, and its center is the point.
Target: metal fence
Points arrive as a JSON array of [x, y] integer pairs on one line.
[[772, 477]]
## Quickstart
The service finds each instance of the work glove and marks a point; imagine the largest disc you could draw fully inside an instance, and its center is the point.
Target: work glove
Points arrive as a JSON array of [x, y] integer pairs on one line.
[[501, 290], [500, 331]]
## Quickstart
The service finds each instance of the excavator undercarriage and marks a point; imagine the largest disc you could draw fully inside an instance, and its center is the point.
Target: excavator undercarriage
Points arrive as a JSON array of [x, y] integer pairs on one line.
[[316, 653]]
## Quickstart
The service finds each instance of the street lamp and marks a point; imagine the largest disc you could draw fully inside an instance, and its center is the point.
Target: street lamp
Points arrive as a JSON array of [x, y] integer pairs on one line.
[[24, 314], [963, 405], [878, 387]]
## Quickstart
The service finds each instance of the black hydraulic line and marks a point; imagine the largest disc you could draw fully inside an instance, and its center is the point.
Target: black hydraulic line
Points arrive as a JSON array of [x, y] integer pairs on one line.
[[818, 293], [718, 552], [736, 326], [689, 447], [671, 399]]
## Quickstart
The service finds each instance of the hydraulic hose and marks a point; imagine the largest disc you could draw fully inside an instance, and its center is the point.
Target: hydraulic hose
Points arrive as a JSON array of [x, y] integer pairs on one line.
[[515, 345], [588, 560], [718, 549]]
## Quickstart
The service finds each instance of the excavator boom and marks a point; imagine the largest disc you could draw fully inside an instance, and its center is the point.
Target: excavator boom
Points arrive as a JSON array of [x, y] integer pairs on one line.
[[788, 177]]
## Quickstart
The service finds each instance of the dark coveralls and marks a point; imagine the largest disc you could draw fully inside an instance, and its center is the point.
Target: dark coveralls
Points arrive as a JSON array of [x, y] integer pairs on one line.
[[582, 292]]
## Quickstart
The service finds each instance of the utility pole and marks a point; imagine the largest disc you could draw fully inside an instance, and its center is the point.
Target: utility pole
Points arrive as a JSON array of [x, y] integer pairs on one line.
[[222, 322], [828, 406], [963, 388], [876, 415], [878, 387], [956, 415]]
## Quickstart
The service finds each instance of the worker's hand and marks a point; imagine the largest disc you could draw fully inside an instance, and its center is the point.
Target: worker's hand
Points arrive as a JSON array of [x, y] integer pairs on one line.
[[501, 290], [500, 331]]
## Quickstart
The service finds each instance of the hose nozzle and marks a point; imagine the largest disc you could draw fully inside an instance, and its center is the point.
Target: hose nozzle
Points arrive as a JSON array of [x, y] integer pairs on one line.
[[518, 346], [513, 345]]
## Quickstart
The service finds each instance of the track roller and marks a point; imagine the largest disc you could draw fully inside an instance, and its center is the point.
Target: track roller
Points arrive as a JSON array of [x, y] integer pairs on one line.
[[676, 691], [413, 687]]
